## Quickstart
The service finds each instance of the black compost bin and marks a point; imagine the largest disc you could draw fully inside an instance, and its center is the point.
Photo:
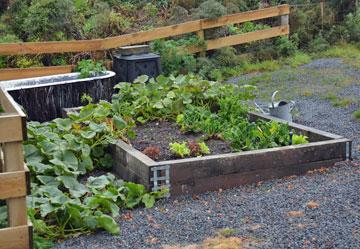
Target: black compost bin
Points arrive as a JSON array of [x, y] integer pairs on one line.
[[129, 67]]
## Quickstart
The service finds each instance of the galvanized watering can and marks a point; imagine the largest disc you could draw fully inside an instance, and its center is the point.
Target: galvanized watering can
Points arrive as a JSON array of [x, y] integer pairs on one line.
[[280, 109]]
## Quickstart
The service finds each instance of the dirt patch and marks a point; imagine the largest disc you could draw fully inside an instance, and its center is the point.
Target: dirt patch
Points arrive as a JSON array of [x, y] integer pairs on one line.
[[161, 133], [218, 242]]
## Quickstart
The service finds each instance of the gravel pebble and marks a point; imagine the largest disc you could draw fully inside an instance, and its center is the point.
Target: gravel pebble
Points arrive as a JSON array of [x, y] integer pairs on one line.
[[277, 213]]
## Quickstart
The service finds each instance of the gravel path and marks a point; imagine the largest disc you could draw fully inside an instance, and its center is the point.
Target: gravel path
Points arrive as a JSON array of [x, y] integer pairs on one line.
[[317, 210]]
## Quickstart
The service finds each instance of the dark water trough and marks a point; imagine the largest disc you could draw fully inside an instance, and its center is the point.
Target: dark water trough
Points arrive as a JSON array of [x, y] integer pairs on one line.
[[44, 97]]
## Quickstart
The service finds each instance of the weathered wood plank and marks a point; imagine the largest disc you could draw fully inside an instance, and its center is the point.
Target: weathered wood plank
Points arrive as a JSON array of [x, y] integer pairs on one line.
[[11, 128], [150, 35], [13, 184], [20, 73], [16, 237], [242, 38], [50, 47], [14, 161], [245, 16], [131, 164], [214, 183], [195, 168]]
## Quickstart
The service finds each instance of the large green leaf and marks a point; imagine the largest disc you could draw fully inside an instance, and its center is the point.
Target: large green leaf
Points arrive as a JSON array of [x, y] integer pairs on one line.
[[88, 134], [71, 183], [97, 182], [63, 124], [39, 168], [141, 79], [106, 205], [32, 154], [108, 223], [148, 200], [119, 123]]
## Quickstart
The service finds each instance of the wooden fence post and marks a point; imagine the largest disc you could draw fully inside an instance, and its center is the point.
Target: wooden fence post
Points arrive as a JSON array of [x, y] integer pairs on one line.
[[14, 161], [201, 36], [284, 20], [322, 5]]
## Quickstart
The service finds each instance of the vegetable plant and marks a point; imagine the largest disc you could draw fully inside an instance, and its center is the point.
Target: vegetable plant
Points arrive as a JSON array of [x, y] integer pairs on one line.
[[299, 139], [179, 149], [59, 154], [204, 149], [152, 152], [89, 68]]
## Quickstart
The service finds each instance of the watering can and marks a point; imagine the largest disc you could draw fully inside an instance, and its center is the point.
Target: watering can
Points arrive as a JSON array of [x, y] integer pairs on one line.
[[280, 109]]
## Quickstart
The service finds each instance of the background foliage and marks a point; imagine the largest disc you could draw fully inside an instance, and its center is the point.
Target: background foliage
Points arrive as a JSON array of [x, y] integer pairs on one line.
[[40, 20]]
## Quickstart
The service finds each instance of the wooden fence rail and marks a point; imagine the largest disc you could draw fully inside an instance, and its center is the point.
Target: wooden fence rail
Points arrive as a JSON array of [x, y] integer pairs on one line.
[[14, 175], [197, 26]]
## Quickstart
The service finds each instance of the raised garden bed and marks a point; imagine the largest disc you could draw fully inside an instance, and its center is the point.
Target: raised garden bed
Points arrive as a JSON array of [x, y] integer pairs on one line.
[[52, 93], [227, 170]]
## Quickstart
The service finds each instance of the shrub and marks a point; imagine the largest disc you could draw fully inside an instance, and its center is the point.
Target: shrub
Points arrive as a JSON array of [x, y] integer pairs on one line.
[[28, 61], [226, 57], [352, 23], [175, 58], [319, 44], [285, 47], [211, 9], [338, 34], [247, 27], [178, 15], [50, 20]]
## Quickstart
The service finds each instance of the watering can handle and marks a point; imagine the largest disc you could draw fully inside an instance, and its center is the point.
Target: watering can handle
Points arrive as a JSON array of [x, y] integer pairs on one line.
[[292, 105], [273, 99]]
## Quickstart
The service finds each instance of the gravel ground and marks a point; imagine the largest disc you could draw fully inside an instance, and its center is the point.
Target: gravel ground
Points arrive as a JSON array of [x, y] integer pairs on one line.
[[317, 210]]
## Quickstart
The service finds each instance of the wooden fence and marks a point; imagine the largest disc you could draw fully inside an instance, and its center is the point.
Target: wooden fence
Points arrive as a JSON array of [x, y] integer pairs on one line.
[[14, 176], [197, 26]]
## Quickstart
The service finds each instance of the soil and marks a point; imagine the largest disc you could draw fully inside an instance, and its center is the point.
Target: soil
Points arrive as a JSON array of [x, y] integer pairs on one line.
[[161, 133]]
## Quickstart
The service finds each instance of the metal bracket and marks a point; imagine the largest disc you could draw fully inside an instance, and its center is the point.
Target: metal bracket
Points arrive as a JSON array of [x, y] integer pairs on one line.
[[160, 177], [349, 150]]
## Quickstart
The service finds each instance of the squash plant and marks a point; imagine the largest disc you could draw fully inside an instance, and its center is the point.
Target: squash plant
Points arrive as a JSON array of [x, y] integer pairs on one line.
[[59, 154]]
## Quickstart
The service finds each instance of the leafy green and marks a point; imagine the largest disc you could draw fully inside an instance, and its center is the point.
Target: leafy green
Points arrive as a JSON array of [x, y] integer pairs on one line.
[[88, 68], [180, 150], [204, 148], [299, 139]]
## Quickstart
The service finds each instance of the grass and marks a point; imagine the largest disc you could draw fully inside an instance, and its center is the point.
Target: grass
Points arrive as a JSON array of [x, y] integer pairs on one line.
[[356, 114], [227, 232], [298, 59], [262, 66], [336, 102], [349, 52]]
